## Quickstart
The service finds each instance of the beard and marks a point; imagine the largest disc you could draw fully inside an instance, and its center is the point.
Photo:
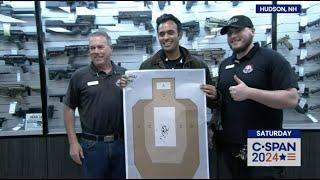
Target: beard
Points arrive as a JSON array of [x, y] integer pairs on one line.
[[243, 47]]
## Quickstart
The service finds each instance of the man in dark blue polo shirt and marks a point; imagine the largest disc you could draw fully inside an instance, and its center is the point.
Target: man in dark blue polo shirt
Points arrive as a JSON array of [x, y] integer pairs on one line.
[[94, 91], [254, 85]]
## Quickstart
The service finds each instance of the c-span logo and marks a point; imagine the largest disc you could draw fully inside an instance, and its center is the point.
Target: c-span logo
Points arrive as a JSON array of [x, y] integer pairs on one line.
[[274, 148]]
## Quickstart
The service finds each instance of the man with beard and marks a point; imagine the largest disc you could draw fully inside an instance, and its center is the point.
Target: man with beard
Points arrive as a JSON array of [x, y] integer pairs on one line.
[[254, 85]]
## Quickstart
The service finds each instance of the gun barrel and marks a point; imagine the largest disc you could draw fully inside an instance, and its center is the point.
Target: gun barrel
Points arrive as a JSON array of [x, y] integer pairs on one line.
[[314, 107], [313, 23], [315, 90], [313, 57], [313, 73]]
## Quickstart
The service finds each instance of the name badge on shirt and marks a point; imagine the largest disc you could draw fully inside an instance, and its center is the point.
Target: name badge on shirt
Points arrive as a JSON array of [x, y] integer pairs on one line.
[[92, 83], [230, 66]]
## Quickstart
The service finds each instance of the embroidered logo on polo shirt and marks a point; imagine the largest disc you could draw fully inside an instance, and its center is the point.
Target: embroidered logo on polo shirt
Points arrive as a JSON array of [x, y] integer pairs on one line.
[[247, 69]]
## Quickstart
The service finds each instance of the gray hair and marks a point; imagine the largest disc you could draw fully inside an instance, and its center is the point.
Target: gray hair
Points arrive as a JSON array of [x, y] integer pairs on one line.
[[102, 33]]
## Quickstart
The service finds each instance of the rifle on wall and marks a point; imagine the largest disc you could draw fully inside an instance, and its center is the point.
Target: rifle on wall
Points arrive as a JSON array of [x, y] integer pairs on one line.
[[313, 23], [7, 10], [21, 112], [19, 37], [58, 73], [192, 28], [60, 96], [212, 22], [71, 4], [303, 44], [19, 60], [83, 25], [212, 55], [283, 41], [72, 50], [315, 56], [307, 91], [309, 24], [315, 74], [138, 41], [137, 17], [16, 90]]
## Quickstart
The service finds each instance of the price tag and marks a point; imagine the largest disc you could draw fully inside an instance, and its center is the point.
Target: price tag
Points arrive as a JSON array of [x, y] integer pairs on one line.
[[12, 108]]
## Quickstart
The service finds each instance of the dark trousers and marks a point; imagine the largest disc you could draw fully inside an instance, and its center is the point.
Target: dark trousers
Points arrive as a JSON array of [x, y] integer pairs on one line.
[[103, 160], [238, 168]]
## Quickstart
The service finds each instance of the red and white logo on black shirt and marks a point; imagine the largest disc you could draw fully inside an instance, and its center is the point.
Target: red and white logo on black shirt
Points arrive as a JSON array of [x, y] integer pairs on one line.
[[247, 69]]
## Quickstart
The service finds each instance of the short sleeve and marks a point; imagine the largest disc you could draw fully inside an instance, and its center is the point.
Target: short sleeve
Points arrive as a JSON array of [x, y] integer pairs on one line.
[[72, 94], [282, 74]]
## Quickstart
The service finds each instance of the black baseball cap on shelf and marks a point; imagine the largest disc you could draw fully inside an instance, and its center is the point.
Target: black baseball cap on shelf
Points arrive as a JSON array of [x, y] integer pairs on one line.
[[237, 21]]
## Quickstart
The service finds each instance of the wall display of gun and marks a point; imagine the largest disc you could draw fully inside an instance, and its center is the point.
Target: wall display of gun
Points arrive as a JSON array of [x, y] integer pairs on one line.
[[162, 4], [313, 23], [212, 22], [2, 120], [307, 91], [309, 24], [306, 108], [19, 37], [77, 50], [17, 90], [303, 44], [137, 17], [315, 56], [212, 54], [7, 10], [21, 112], [83, 25], [72, 50], [317, 106], [122, 46], [315, 74], [138, 41], [6, 70], [58, 73], [192, 28], [285, 41], [303, 108], [189, 4], [60, 96], [71, 4], [19, 60]]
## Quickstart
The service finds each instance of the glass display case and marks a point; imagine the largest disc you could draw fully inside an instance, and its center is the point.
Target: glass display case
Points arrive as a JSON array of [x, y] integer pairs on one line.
[[19, 71]]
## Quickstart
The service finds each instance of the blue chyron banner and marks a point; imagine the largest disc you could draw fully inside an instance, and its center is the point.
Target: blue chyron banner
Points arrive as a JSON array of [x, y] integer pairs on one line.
[[279, 8], [274, 147]]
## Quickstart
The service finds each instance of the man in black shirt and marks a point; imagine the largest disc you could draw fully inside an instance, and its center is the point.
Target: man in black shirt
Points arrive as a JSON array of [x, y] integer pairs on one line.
[[94, 91], [254, 85]]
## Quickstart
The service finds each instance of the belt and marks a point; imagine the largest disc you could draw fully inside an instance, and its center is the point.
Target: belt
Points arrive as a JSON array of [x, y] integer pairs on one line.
[[103, 138]]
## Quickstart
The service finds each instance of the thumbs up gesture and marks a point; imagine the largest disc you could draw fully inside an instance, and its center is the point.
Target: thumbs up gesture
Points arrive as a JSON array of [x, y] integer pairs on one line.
[[239, 92]]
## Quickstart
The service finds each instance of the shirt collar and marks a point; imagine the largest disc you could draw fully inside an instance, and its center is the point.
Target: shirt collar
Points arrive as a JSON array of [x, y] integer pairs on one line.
[[164, 58], [93, 69], [250, 54]]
